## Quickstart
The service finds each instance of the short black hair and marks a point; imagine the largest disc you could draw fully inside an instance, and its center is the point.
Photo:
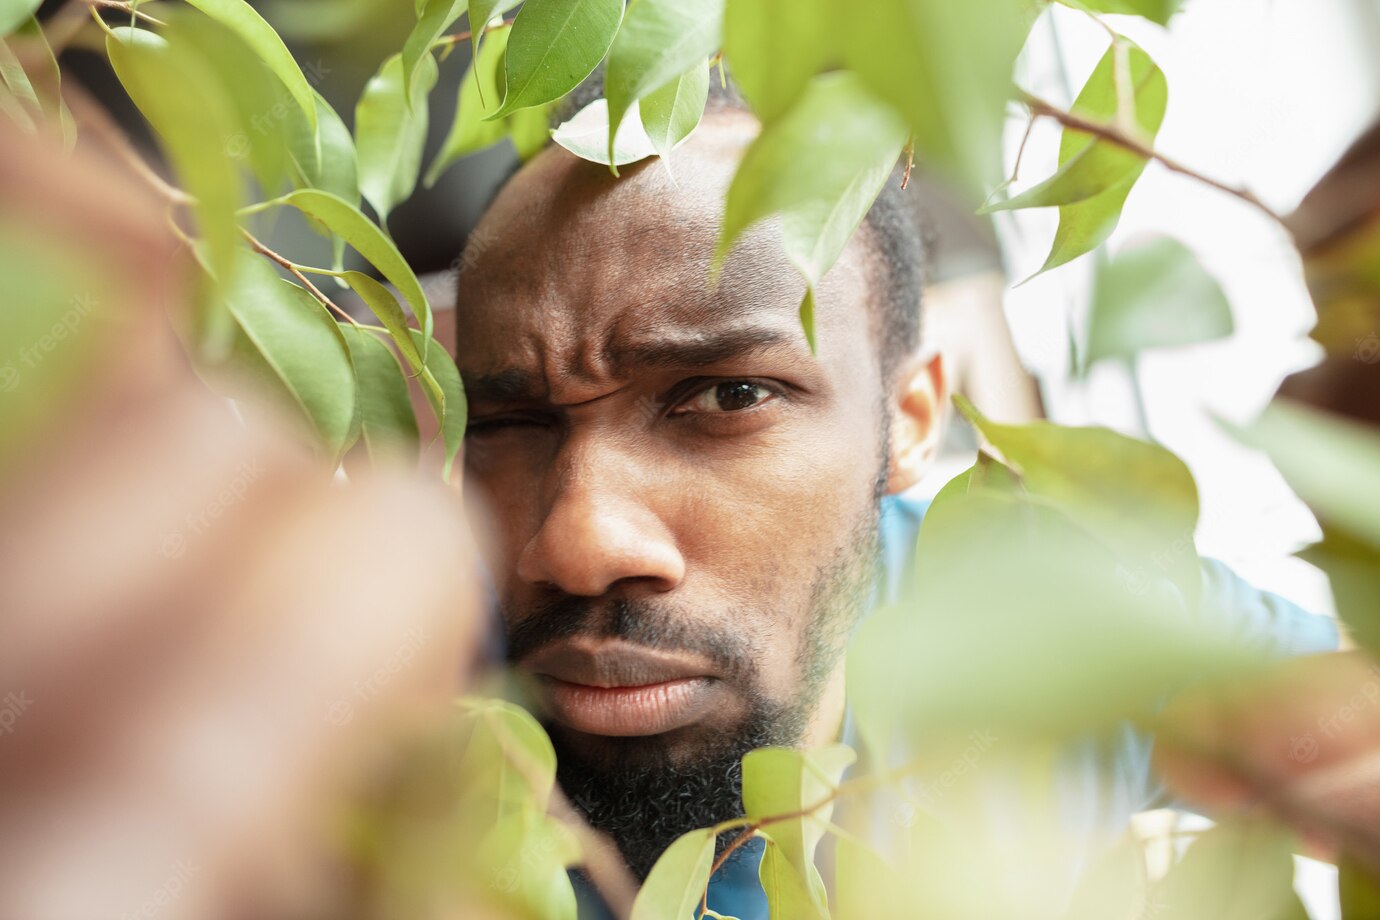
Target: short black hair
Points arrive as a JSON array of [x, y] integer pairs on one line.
[[897, 243]]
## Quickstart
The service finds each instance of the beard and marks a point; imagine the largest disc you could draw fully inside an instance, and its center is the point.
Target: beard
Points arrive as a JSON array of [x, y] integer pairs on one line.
[[632, 789]]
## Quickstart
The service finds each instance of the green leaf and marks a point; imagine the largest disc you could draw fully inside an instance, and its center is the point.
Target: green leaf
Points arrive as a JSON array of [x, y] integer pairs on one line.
[[241, 19], [387, 423], [787, 896], [1233, 872], [865, 884], [334, 167], [659, 41], [14, 13], [1085, 224], [1154, 295], [820, 166], [301, 343], [370, 242], [449, 403], [774, 47], [482, 12], [780, 781], [184, 102], [1089, 166], [17, 81], [435, 18], [469, 131], [586, 136], [676, 884], [523, 860], [1154, 10], [555, 44], [947, 68], [390, 133], [670, 113], [385, 306], [509, 764], [1137, 497], [47, 83], [529, 130]]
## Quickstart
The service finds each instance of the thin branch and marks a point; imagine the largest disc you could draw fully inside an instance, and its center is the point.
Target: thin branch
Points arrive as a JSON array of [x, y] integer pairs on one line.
[[909, 154], [1020, 151], [296, 272], [125, 8], [469, 34], [1040, 107]]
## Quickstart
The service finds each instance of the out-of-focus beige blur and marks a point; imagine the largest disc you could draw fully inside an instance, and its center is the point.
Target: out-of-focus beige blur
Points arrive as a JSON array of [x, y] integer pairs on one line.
[[207, 643]]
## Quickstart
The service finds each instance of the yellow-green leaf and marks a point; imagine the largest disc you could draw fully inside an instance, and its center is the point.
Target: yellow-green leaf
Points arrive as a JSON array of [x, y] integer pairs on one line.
[[671, 112], [14, 13], [449, 404], [387, 423], [676, 884], [390, 133], [482, 84], [774, 47]]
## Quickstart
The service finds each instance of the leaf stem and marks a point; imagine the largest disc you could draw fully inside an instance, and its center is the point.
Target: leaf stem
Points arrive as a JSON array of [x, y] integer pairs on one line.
[[296, 272], [124, 8], [1039, 107], [468, 34]]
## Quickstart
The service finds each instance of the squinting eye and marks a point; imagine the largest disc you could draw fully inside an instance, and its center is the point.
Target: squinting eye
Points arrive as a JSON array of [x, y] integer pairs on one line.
[[731, 396]]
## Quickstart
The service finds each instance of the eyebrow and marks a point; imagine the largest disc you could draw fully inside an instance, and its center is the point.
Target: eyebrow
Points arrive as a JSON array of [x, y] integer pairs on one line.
[[695, 349]]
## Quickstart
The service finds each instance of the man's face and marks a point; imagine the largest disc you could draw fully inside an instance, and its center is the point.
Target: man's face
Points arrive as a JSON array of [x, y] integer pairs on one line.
[[684, 498]]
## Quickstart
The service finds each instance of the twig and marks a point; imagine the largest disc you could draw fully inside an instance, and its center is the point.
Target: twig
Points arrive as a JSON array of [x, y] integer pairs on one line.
[[126, 8], [296, 272], [1039, 107], [909, 153], [469, 34]]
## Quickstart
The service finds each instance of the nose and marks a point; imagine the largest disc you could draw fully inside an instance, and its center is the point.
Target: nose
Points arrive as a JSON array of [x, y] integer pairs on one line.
[[599, 532]]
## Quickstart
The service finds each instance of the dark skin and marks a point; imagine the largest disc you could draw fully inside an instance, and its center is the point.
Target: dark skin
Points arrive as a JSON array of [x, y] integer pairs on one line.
[[637, 434]]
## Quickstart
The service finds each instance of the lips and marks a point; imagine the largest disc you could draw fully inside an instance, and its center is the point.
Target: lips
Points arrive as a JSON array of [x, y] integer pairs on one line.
[[623, 690]]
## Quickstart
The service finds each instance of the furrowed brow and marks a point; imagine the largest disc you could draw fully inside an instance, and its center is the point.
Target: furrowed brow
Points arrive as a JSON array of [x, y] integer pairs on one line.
[[511, 385], [698, 349]]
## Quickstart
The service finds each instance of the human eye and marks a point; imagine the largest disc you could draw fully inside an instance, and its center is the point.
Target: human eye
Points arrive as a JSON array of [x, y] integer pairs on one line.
[[727, 396], [481, 426]]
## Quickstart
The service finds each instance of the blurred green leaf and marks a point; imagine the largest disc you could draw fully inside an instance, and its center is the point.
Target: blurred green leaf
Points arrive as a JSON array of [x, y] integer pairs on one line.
[[866, 885], [390, 133], [529, 130], [820, 166], [1154, 10], [555, 44], [1154, 295], [780, 781], [469, 131], [13, 13], [1138, 498], [17, 81], [774, 47], [676, 884], [184, 102], [947, 68], [787, 896], [524, 858], [1360, 892], [435, 18], [325, 160], [1085, 224], [660, 40], [241, 19], [370, 242], [1333, 464], [47, 82], [586, 135], [301, 343], [671, 112], [449, 403], [1115, 886], [1233, 872], [387, 423]]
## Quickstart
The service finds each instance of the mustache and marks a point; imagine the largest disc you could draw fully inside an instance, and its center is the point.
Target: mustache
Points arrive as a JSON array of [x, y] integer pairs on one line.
[[639, 621]]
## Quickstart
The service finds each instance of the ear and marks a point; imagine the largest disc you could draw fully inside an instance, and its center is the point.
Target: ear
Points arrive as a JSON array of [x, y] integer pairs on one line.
[[919, 406]]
